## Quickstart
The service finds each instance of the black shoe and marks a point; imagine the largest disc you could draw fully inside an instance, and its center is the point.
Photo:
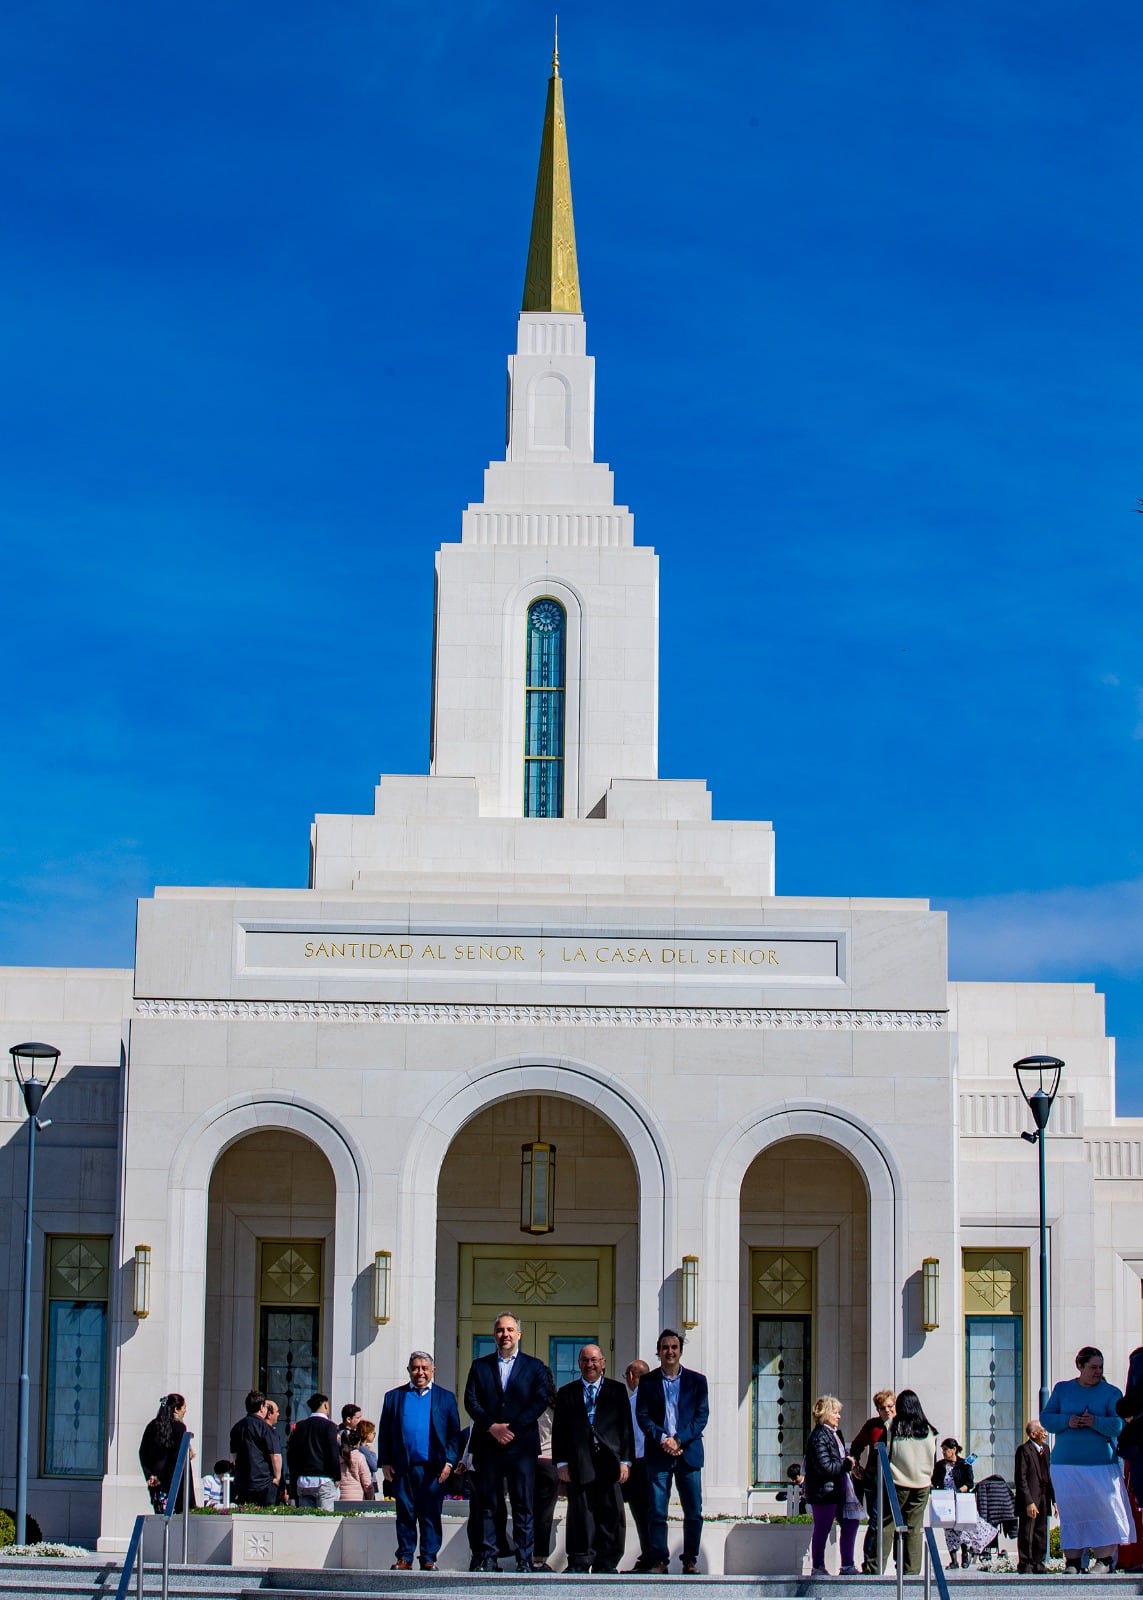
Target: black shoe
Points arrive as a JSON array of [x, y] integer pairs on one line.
[[1038, 1568], [488, 1564], [541, 1566], [525, 1566]]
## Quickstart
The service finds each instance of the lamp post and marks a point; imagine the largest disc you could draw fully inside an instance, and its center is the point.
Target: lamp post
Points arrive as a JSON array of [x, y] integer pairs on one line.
[[1039, 1080], [25, 1060]]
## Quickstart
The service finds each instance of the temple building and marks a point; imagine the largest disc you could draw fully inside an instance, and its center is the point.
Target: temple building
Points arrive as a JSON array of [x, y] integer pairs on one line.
[[541, 1035]]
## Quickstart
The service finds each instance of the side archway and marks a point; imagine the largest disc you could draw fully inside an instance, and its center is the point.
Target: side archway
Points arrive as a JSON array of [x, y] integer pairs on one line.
[[723, 1251], [194, 1161]]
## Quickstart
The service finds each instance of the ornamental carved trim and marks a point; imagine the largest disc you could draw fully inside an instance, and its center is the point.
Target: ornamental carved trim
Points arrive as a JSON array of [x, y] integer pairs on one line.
[[460, 1014]]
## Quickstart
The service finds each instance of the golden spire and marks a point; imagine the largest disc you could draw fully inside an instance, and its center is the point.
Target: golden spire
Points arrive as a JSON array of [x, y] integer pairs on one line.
[[551, 282]]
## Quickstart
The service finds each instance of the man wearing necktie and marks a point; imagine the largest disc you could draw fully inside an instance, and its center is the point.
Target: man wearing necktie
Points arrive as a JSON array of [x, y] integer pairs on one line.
[[593, 1447], [505, 1395], [672, 1408]]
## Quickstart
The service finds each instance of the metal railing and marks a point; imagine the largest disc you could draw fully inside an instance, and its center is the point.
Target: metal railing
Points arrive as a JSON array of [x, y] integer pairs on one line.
[[933, 1565], [887, 1491], [134, 1556]]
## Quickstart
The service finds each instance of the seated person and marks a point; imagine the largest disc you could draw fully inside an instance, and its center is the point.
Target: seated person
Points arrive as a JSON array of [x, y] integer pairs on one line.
[[216, 1485]]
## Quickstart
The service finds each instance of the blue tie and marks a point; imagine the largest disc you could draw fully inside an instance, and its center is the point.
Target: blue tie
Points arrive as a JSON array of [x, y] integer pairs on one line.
[[589, 1400]]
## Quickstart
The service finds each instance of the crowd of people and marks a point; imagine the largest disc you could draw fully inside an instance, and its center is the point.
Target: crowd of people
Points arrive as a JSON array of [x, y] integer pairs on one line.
[[1091, 1476], [608, 1446]]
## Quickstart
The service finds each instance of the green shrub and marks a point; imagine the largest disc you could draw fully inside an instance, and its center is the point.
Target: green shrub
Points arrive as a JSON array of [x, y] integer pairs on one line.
[[1055, 1548], [8, 1528]]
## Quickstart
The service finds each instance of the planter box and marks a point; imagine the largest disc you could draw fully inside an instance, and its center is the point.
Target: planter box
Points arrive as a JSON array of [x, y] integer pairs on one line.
[[769, 1548], [367, 1543]]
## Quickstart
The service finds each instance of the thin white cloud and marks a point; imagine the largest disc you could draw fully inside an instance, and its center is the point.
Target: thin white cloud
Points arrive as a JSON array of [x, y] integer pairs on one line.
[[1068, 933]]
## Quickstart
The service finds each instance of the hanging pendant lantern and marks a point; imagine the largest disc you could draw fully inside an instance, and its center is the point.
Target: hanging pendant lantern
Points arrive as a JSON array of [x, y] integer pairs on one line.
[[537, 1183]]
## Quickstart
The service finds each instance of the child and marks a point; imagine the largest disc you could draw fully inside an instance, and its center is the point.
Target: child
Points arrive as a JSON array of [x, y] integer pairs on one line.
[[795, 1495], [216, 1486]]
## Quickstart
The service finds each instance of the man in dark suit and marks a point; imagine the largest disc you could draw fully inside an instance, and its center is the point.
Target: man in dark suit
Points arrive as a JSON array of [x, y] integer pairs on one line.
[[418, 1447], [1034, 1499], [672, 1408], [504, 1396], [593, 1446]]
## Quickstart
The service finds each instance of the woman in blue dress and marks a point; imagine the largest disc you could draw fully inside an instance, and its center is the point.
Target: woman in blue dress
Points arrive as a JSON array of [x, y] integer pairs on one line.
[[1086, 1472]]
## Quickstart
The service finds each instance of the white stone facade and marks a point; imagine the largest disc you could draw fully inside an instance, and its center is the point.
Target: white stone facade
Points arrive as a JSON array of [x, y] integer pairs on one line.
[[354, 1065]]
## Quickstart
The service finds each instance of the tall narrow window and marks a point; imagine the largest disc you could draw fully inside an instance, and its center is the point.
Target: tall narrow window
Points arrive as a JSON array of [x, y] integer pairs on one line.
[[782, 1300], [544, 710], [994, 1398], [75, 1364]]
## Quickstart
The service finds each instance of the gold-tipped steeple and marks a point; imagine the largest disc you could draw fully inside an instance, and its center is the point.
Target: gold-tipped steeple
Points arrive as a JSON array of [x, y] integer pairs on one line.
[[551, 282]]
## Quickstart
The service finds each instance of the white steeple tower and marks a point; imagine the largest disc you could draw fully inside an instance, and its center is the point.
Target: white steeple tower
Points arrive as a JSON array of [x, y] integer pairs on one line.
[[548, 528], [544, 748]]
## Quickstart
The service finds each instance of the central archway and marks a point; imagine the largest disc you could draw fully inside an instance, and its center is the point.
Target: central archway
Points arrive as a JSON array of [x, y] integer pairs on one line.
[[629, 1123], [574, 1285]]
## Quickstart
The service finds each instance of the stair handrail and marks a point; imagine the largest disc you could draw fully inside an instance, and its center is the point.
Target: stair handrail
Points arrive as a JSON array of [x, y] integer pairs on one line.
[[933, 1565], [182, 1463], [129, 1562], [134, 1556], [887, 1490]]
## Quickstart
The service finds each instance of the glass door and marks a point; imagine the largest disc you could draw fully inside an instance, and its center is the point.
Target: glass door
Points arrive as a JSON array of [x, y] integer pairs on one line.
[[288, 1367]]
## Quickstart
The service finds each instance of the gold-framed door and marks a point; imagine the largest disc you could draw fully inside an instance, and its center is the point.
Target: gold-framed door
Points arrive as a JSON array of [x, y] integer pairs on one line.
[[563, 1295]]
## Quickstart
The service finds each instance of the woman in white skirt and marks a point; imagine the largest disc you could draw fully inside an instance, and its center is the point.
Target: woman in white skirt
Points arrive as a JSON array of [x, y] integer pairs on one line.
[[1086, 1472]]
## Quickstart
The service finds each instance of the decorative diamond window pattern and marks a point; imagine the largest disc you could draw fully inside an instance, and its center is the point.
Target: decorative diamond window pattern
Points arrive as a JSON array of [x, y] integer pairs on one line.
[[781, 1386], [79, 1266], [290, 1273], [782, 1281], [993, 1281], [544, 699], [993, 1392]]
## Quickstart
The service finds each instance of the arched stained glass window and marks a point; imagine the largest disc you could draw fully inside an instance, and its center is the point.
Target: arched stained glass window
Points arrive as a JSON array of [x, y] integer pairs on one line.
[[544, 710]]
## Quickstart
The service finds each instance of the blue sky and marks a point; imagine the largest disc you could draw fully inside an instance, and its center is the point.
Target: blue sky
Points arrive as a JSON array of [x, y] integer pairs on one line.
[[862, 281]]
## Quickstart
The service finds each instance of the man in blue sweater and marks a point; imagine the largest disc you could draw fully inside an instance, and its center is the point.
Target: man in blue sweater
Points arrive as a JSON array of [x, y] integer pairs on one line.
[[418, 1446]]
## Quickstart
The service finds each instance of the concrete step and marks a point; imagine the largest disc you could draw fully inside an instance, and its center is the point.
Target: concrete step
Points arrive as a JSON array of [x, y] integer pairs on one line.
[[489, 1586], [98, 1578]]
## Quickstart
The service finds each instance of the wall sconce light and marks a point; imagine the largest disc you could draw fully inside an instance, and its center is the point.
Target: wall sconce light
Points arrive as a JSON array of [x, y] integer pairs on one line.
[[690, 1291], [382, 1285], [930, 1293], [537, 1183], [141, 1301]]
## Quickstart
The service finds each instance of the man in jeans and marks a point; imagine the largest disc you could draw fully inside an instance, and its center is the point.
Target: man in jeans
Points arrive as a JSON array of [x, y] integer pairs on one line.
[[672, 1409], [864, 1451], [314, 1458]]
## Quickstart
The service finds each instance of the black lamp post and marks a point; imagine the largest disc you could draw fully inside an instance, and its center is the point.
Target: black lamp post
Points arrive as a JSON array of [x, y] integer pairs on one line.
[[1039, 1080], [26, 1059]]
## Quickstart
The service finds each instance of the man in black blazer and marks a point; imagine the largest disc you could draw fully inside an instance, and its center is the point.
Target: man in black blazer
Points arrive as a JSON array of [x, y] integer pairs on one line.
[[593, 1446], [1034, 1499], [504, 1396], [672, 1408]]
